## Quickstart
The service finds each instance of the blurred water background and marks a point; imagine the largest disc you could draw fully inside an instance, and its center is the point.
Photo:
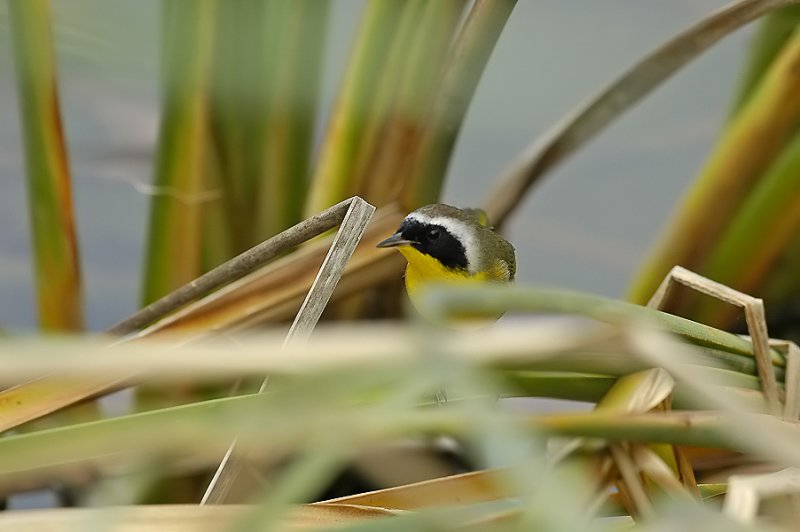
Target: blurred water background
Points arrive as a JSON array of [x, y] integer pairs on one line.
[[586, 227]]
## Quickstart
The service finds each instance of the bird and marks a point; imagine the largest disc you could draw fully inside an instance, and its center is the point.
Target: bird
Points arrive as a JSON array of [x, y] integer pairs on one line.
[[444, 245]]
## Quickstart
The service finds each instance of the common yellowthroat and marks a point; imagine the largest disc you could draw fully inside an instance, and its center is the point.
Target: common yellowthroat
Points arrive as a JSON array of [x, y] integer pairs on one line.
[[445, 244]]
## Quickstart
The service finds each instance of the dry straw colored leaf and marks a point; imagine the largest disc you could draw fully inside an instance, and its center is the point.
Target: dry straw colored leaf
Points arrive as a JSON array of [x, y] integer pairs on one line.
[[179, 518]]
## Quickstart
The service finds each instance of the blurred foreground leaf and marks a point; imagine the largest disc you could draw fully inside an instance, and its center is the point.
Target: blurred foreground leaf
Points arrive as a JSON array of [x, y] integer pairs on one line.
[[43, 396]]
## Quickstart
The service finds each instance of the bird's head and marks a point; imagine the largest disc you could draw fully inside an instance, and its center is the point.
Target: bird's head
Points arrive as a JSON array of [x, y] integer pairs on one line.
[[444, 233]]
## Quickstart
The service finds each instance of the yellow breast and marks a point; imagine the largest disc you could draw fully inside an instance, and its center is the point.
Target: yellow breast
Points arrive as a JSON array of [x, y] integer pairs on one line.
[[424, 271]]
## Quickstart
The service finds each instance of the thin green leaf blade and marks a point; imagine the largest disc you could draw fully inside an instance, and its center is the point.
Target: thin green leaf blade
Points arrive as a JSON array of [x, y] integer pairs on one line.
[[468, 58], [291, 108], [773, 32], [336, 163], [759, 233], [175, 233], [419, 54], [58, 279]]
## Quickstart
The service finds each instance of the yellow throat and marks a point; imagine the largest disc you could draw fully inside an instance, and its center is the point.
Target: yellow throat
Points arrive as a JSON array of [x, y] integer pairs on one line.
[[423, 271]]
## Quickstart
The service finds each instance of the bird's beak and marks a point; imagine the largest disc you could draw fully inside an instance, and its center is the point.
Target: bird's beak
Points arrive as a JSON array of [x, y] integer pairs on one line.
[[395, 240]]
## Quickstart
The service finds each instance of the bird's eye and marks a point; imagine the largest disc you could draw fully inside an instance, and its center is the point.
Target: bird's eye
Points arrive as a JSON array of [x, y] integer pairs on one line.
[[433, 233]]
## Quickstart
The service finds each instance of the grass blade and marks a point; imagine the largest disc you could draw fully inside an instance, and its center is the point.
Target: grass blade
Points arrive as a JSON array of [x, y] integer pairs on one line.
[[756, 136], [175, 234], [419, 53], [58, 281], [526, 299], [378, 122], [336, 163], [467, 59], [203, 429], [476, 486], [292, 104], [773, 32], [265, 79], [761, 230], [179, 518]]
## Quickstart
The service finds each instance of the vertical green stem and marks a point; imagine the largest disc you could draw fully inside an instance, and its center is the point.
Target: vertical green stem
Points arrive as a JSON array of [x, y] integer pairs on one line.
[[174, 253], [338, 157], [424, 53], [58, 276], [227, 100], [468, 57], [265, 82], [247, 34], [379, 121], [292, 102]]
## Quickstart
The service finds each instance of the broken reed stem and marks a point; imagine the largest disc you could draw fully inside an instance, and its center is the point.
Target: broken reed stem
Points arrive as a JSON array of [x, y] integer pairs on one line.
[[235, 268], [347, 238]]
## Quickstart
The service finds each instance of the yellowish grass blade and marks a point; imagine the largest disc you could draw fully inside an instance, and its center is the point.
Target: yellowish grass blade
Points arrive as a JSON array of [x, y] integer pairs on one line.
[[639, 392], [773, 32], [464, 489], [181, 518], [44, 396], [467, 488], [752, 141], [58, 282], [758, 235]]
